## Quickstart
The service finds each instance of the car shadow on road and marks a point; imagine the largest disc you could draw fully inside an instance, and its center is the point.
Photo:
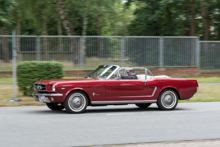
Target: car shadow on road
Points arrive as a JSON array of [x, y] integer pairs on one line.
[[124, 110], [47, 112], [96, 110]]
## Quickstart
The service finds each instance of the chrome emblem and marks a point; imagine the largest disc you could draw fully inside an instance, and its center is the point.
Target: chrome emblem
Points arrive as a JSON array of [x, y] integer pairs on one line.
[[94, 94], [38, 87]]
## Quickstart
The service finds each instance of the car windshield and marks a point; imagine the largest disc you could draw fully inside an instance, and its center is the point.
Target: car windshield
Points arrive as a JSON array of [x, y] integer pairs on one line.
[[103, 71]]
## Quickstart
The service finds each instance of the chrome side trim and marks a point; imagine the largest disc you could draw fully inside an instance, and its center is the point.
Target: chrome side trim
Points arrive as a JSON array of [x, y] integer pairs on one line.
[[47, 94], [154, 91], [123, 102]]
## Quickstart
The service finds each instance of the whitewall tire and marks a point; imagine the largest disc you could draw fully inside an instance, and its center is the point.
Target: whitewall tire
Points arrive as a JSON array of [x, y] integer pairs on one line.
[[167, 100], [76, 102]]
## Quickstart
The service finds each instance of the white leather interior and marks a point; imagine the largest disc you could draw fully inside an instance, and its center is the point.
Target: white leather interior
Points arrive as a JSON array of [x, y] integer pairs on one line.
[[161, 77], [142, 77]]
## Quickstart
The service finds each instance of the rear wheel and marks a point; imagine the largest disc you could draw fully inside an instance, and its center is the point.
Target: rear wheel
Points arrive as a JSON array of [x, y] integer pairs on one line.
[[55, 107], [76, 102], [143, 106], [168, 100]]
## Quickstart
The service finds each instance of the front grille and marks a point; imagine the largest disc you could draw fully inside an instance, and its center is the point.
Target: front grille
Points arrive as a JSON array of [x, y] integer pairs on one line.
[[40, 87]]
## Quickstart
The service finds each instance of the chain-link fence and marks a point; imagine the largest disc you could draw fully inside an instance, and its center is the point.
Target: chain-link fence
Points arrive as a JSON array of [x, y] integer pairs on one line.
[[77, 52], [6, 53], [210, 55]]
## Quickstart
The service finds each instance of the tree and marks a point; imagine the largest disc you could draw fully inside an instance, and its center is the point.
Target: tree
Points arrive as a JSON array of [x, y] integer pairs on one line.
[[85, 18], [205, 18], [66, 23], [6, 21], [193, 22]]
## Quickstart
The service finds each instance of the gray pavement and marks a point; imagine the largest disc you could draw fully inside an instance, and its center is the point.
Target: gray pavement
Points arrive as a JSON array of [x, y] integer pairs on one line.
[[209, 83], [38, 126]]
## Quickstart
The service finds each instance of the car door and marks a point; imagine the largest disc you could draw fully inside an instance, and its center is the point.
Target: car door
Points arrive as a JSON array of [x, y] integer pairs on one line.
[[120, 90]]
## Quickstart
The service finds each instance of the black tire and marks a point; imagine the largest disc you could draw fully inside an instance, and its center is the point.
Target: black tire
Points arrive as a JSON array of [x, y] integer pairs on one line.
[[54, 107], [76, 102], [167, 100], [143, 106]]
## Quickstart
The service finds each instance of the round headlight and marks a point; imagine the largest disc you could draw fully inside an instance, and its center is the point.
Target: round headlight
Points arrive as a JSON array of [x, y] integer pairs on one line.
[[53, 88]]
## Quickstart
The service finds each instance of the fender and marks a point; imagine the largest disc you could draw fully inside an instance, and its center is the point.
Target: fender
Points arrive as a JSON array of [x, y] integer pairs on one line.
[[169, 86], [76, 88]]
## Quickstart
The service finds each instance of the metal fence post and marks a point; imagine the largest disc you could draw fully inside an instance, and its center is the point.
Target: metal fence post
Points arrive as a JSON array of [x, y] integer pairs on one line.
[[122, 51], [14, 68], [161, 47], [38, 49], [81, 53], [198, 53]]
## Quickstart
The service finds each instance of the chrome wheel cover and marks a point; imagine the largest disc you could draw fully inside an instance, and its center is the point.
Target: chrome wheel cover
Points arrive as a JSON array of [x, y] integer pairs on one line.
[[168, 99], [77, 102]]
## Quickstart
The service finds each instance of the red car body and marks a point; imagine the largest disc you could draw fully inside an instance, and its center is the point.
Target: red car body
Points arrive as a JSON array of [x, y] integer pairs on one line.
[[119, 90], [116, 91]]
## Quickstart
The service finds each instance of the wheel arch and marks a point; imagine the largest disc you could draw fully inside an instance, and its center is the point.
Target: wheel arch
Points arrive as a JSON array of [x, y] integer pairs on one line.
[[172, 88], [81, 90]]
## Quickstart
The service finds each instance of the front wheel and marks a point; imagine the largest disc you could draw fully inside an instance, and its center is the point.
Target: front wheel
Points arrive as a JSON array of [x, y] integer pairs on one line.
[[76, 102], [168, 100], [54, 107], [143, 106]]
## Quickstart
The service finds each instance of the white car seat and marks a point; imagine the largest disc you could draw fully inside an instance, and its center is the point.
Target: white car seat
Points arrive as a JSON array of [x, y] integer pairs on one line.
[[142, 77]]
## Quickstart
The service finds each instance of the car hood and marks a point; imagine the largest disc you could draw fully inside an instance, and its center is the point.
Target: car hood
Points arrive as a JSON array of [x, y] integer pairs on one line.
[[54, 81]]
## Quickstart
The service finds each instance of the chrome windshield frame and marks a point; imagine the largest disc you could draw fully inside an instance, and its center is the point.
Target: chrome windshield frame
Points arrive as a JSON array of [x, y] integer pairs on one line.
[[113, 72], [118, 68], [105, 70]]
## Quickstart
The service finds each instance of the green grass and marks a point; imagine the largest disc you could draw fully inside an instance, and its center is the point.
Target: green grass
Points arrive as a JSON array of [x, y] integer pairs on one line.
[[6, 81], [206, 79], [209, 70], [6, 94], [206, 93]]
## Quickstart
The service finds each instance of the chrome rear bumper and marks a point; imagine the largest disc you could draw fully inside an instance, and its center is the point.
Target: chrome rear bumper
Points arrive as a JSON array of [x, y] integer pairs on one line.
[[42, 96]]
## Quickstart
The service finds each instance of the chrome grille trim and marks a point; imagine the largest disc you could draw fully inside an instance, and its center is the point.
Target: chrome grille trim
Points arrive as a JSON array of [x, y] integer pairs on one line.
[[44, 87]]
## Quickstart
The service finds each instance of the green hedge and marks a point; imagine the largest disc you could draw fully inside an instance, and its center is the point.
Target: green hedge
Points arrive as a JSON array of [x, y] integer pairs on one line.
[[32, 71]]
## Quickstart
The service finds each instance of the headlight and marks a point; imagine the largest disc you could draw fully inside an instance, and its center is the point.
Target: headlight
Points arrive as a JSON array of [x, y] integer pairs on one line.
[[53, 88], [197, 89]]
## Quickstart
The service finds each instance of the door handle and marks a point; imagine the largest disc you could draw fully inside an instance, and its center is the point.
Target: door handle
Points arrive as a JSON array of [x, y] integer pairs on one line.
[[144, 82]]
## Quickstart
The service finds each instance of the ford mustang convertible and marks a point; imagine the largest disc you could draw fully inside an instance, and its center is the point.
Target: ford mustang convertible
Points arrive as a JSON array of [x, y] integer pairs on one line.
[[105, 86]]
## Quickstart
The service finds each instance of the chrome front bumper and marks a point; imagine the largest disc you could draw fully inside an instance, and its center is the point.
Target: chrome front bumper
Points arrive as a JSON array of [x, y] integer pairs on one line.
[[42, 97]]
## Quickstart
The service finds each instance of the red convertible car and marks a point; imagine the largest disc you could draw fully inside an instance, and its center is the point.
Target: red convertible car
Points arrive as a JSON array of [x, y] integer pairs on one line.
[[105, 86]]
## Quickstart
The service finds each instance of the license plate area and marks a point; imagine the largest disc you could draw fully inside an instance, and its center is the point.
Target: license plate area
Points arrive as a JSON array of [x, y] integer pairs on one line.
[[43, 99]]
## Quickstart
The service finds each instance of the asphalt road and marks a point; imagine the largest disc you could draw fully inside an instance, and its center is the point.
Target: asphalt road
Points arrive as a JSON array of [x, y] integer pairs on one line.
[[38, 126]]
